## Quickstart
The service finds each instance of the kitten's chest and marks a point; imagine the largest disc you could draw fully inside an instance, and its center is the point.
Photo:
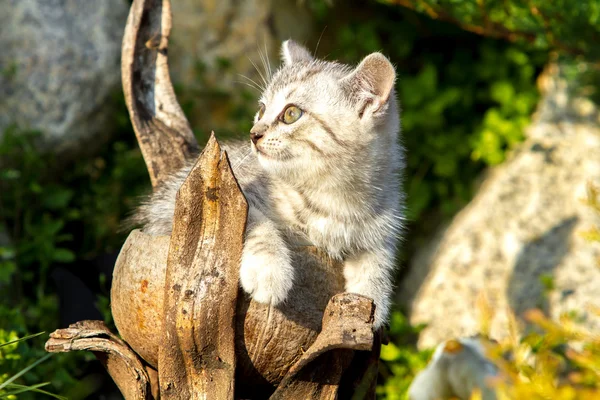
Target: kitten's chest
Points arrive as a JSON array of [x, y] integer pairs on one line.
[[323, 221]]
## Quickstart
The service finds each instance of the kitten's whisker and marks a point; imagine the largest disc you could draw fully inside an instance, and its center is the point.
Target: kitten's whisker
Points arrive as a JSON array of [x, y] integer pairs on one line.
[[240, 162], [260, 73], [319, 42], [249, 85], [250, 79], [262, 59], [262, 87], [267, 59], [253, 82]]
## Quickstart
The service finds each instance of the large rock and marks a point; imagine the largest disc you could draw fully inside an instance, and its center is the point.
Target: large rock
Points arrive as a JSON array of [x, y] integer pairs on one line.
[[213, 43], [523, 227], [59, 63]]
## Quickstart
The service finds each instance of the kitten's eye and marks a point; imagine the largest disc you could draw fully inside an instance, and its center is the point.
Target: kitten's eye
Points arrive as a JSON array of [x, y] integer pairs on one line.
[[291, 114], [261, 111]]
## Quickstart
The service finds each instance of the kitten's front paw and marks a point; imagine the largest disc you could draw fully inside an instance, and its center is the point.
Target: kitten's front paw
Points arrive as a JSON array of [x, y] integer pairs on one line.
[[266, 277]]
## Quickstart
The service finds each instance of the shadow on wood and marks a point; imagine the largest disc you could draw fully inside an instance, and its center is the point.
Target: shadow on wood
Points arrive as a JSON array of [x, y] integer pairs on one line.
[[187, 329]]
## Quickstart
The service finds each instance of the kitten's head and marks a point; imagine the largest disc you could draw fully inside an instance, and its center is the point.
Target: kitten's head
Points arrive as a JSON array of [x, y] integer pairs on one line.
[[317, 115]]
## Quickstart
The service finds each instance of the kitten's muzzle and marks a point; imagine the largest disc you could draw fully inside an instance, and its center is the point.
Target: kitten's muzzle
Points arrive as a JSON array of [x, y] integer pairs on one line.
[[256, 133]]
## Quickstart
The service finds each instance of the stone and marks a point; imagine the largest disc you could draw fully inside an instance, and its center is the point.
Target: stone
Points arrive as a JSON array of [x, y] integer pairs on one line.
[[519, 243], [59, 66]]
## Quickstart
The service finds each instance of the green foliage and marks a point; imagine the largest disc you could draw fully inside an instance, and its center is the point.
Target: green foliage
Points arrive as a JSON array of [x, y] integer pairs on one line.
[[41, 210], [400, 360], [8, 389], [559, 361], [571, 27], [556, 360]]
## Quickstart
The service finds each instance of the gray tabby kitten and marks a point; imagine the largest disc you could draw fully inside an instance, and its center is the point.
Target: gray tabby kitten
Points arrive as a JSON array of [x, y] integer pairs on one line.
[[322, 168]]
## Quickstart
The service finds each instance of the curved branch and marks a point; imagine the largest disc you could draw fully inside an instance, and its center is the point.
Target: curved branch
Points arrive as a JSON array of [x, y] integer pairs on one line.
[[162, 130], [123, 365], [347, 326]]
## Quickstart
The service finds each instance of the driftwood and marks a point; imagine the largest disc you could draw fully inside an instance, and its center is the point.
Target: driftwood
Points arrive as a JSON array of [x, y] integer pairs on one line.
[[125, 367], [201, 284], [188, 331], [161, 128]]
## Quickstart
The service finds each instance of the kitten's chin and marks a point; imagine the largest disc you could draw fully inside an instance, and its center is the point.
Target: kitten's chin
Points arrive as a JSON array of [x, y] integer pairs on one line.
[[267, 161], [272, 159]]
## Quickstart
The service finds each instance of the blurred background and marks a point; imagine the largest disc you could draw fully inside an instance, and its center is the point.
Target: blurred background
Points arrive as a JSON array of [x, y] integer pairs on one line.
[[500, 123]]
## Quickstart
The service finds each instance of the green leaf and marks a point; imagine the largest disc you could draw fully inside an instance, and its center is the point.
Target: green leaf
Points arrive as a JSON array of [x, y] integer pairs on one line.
[[58, 198], [24, 371], [7, 270], [33, 388], [22, 339], [63, 255], [390, 352]]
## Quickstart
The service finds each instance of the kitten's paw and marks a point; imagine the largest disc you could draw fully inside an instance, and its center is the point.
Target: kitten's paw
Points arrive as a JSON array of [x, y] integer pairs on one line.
[[267, 277]]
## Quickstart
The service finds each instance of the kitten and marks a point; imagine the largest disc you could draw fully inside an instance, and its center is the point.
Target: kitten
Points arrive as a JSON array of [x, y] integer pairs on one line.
[[322, 167]]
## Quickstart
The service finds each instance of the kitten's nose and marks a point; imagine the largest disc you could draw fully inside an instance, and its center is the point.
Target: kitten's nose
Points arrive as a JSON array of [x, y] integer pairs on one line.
[[255, 137], [256, 133]]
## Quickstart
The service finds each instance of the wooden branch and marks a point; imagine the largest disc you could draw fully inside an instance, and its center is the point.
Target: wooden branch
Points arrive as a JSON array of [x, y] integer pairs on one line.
[[197, 355], [270, 341], [120, 361], [137, 293], [347, 326], [163, 132]]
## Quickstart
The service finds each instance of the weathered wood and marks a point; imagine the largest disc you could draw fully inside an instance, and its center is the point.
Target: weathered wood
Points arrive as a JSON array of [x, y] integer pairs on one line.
[[120, 361], [162, 130], [197, 353], [269, 340], [347, 326], [136, 294], [360, 378]]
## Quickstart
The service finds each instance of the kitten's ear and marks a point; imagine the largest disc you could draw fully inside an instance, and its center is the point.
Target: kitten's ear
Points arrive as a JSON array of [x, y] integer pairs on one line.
[[292, 52], [372, 82]]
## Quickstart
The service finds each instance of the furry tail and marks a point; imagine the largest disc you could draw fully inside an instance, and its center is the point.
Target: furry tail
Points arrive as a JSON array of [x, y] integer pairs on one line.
[[156, 211]]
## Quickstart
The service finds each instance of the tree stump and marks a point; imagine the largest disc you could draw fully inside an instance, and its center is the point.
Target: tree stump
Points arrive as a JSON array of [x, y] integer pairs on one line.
[[188, 330]]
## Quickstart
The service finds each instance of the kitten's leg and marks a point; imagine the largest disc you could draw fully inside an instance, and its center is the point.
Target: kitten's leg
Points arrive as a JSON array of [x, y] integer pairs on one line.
[[371, 274], [266, 268]]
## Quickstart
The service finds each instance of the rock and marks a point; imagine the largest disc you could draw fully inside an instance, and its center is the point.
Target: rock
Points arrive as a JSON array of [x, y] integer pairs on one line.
[[521, 234], [457, 368], [214, 42], [59, 64]]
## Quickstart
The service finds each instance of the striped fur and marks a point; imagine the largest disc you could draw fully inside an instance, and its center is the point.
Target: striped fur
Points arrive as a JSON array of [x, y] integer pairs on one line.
[[330, 179]]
